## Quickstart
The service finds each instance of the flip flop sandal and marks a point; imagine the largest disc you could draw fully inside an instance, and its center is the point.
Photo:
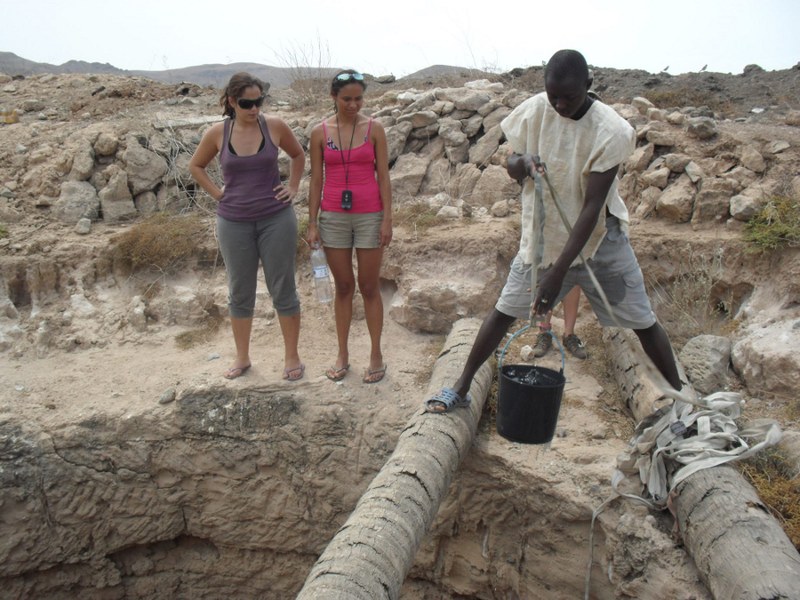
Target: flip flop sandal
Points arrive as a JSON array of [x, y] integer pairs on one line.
[[446, 400], [235, 372], [335, 374], [374, 376], [294, 374]]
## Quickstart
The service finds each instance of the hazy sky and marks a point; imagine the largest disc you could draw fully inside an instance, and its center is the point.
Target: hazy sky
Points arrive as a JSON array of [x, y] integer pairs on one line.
[[382, 37]]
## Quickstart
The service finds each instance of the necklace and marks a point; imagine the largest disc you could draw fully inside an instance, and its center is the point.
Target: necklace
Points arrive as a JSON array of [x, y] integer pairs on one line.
[[347, 195], [346, 165]]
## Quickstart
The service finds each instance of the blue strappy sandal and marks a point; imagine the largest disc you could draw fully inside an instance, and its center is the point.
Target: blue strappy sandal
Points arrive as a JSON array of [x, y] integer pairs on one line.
[[446, 400]]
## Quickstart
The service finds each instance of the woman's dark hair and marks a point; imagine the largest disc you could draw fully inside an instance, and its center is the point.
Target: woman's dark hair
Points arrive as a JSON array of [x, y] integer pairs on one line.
[[236, 86], [337, 84]]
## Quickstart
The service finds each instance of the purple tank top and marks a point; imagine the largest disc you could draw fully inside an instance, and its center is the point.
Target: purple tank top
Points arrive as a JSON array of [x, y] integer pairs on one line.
[[249, 180]]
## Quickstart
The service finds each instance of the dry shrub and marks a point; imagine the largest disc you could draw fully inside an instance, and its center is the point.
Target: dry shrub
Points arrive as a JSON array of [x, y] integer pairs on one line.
[[311, 92], [182, 145], [310, 71], [776, 226], [162, 242], [767, 473], [687, 306], [416, 216]]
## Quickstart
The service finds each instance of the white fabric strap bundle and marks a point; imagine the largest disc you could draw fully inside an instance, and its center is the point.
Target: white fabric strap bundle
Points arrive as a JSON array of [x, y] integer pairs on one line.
[[662, 455], [679, 440]]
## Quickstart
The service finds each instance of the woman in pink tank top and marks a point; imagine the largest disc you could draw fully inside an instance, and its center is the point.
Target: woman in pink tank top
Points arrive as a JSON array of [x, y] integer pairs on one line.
[[350, 206]]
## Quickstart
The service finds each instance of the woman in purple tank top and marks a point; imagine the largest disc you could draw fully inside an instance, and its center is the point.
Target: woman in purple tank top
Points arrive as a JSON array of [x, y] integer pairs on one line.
[[255, 219], [350, 206]]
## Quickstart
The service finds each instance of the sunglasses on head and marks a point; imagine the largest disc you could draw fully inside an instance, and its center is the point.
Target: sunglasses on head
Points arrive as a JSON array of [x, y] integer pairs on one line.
[[247, 104], [349, 77]]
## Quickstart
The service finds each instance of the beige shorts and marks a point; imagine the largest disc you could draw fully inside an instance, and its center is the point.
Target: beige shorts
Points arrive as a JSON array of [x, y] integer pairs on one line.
[[617, 271], [350, 230]]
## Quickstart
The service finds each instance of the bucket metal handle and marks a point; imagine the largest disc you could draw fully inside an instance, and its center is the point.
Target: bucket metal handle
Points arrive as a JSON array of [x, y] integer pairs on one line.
[[523, 329]]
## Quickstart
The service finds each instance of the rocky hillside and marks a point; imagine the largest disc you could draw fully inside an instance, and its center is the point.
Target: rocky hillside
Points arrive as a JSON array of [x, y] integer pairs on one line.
[[93, 151]]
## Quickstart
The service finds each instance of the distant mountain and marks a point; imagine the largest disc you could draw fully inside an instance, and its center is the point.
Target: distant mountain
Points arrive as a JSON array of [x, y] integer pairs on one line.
[[436, 71], [11, 64], [216, 75]]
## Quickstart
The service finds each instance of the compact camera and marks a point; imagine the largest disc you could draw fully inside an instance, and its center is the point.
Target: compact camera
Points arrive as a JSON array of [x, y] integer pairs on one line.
[[347, 200]]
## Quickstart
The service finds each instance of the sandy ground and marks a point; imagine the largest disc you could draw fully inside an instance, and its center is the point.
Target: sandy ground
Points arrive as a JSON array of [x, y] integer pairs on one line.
[[121, 376]]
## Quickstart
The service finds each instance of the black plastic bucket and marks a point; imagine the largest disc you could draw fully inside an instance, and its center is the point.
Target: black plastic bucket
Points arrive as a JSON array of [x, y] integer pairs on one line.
[[528, 402]]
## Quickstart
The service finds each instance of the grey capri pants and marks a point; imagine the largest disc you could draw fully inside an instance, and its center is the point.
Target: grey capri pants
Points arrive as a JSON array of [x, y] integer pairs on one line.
[[272, 240]]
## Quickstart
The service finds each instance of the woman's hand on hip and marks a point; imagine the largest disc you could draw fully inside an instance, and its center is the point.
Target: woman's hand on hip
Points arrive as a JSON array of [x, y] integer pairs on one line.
[[284, 193]]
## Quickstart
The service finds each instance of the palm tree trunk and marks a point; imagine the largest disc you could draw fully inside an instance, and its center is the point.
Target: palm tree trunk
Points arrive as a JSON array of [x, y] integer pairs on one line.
[[370, 556], [739, 548]]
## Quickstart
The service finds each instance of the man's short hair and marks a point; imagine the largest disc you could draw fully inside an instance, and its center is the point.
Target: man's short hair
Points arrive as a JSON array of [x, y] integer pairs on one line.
[[565, 64]]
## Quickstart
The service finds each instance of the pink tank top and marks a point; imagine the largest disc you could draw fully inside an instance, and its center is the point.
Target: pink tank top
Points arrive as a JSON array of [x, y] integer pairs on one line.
[[352, 170]]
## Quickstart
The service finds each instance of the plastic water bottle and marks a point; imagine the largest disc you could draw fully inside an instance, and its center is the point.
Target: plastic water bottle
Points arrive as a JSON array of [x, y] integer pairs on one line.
[[322, 282]]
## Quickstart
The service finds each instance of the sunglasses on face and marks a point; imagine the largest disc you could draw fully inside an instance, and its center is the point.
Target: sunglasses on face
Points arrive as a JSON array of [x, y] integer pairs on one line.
[[247, 104], [349, 77]]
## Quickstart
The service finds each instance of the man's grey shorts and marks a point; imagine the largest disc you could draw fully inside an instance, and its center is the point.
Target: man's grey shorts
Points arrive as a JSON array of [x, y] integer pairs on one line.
[[616, 269], [350, 230]]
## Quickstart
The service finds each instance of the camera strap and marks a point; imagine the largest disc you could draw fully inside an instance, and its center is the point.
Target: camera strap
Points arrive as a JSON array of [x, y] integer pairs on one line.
[[346, 164]]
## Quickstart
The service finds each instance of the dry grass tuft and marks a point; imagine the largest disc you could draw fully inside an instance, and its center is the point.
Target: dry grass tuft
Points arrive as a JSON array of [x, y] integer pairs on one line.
[[162, 242], [310, 71], [416, 216], [687, 306], [776, 489], [776, 226]]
